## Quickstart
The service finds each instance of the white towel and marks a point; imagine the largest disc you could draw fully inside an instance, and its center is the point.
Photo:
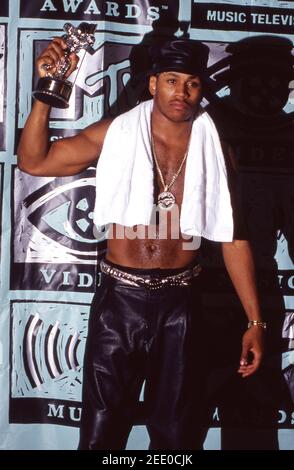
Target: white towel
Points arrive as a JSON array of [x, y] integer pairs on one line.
[[125, 175]]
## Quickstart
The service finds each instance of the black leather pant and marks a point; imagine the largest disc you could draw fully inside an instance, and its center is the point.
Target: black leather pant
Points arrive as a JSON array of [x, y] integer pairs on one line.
[[135, 335]]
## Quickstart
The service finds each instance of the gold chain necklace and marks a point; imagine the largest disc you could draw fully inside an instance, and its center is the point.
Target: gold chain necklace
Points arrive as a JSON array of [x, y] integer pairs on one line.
[[166, 199]]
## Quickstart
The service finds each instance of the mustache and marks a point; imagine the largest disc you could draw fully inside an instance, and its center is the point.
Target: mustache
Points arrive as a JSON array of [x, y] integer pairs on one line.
[[180, 101]]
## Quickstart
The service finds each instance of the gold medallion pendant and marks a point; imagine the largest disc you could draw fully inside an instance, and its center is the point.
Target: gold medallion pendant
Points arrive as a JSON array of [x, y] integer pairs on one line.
[[166, 200]]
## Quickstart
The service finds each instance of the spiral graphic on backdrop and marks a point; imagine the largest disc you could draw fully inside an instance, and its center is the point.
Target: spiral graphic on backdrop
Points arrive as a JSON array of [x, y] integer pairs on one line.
[[55, 352]]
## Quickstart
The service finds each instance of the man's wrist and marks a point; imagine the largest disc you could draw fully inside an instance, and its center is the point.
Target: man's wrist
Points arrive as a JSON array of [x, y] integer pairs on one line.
[[258, 323]]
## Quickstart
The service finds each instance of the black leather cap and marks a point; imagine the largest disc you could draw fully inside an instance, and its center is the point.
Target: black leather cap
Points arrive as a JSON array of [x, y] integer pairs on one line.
[[181, 55]]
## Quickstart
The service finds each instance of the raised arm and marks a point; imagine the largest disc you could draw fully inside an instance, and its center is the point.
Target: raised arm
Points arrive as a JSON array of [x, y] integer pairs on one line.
[[66, 156], [240, 266]]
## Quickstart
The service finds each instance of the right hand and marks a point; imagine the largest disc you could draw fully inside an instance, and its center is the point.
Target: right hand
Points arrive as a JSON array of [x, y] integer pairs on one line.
[[52, 55]]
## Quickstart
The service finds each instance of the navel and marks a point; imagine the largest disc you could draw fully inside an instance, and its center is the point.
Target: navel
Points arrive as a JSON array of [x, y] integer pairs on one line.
[[152, 248]]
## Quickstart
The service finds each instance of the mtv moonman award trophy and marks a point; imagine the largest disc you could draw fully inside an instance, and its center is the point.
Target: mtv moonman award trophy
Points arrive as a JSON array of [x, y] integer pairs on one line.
[[54, 89]]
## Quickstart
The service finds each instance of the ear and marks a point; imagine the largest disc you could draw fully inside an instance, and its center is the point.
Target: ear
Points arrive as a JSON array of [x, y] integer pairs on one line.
[[152, 84]]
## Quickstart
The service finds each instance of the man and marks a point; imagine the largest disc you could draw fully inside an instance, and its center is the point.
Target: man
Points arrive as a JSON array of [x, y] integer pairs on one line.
[[145, 321]]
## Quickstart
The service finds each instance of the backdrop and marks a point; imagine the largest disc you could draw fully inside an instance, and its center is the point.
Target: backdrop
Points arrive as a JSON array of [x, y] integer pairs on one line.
[[48, 247]]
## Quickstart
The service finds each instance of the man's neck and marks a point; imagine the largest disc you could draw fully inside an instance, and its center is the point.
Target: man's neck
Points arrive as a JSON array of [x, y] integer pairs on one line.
[[169, 130]]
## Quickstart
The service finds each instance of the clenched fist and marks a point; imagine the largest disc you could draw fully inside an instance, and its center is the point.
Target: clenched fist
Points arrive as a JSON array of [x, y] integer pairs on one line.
[[52, 56]]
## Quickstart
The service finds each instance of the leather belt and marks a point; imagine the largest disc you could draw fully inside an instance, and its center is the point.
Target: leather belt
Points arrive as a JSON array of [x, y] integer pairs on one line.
[[183, 278]]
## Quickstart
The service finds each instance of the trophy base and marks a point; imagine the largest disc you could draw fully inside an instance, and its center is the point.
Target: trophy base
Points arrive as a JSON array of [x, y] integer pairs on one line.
[[53, 91]]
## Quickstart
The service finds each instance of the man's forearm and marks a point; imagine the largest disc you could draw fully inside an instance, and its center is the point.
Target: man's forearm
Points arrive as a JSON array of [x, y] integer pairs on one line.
[[240, 266], [34, 142]]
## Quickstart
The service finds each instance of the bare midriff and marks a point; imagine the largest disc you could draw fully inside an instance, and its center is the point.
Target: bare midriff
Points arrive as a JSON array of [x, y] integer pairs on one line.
[[160, 245], [150, 253]]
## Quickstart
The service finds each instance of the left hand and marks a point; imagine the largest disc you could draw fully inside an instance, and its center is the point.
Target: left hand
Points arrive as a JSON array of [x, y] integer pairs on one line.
[[253, 344]]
